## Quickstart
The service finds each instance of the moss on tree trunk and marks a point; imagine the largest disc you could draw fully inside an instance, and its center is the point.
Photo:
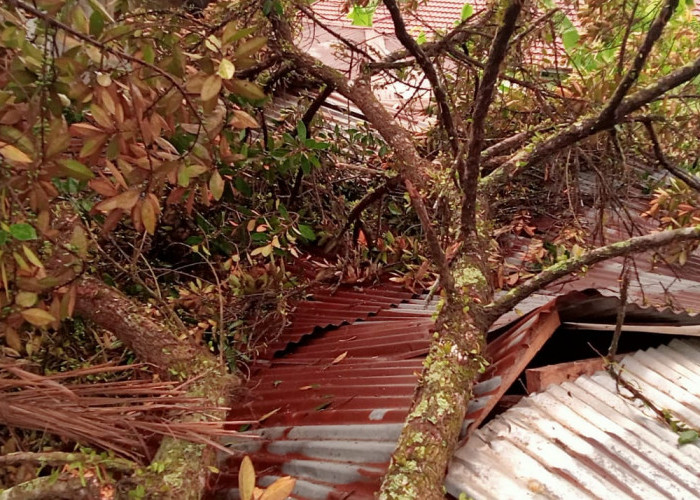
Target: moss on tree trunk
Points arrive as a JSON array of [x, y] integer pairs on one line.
[[179, 468]]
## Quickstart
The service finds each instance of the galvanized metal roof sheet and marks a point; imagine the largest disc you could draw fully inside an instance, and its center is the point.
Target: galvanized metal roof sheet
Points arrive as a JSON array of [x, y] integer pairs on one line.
[[588, 439]]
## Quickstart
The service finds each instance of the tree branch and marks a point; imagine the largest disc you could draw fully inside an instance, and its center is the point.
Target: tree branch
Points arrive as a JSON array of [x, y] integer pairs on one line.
[[587, 127], [633, 245], [427, 66], [49, 488], [58, 458], [632, 75], [306, 120], [411, 164], [484, 97], [688, 178], [365, 202], [455, 37], [345, 41]]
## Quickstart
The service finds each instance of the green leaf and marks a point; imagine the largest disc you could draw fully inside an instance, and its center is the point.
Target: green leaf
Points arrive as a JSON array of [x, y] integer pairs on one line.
[[688, 436], [247, 89], [467, 11], [307, 232], [22, 232], [226, 69], [301, 131], [251, 46], [76, 170], [97, 23], [570, 38], [362, 16], [216, 185], [421, 39]]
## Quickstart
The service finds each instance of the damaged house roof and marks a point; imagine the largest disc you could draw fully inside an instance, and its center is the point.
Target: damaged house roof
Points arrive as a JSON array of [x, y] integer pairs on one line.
[[333, 391]]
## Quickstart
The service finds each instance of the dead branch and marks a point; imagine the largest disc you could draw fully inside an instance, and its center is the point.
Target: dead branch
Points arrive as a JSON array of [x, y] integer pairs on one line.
[[549, 275], [690, 179]]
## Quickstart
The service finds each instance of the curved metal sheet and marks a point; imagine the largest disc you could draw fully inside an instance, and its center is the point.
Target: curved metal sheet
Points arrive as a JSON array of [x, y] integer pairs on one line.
[[587, 439]]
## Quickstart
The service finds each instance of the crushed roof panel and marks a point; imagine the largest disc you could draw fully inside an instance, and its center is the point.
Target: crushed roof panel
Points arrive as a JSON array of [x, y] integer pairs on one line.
[[586, 439]]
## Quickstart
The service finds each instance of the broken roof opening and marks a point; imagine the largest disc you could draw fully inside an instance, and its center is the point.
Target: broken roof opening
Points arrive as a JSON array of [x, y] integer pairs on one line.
[[332, 392]]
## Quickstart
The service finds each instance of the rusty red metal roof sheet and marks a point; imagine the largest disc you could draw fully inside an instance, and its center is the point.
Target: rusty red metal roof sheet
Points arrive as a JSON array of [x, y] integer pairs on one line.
[[346, 390]]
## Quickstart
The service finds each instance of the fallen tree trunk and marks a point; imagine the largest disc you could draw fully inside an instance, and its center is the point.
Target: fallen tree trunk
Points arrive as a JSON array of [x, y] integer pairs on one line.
[[179, 468], [51, 488]]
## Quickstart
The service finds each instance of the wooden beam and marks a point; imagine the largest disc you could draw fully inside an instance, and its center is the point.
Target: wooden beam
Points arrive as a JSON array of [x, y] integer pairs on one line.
[[538, 379]]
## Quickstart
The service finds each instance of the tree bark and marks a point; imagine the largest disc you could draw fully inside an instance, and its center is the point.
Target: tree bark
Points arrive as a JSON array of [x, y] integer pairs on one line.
[[50, 488], [182, 467]]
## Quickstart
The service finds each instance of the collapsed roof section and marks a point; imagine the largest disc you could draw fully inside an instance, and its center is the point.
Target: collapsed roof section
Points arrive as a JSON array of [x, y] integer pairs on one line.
[[590, 438], [331, 394]]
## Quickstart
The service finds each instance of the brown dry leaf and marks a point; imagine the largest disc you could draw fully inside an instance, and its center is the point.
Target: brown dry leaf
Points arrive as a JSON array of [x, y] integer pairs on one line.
[[268, 414], [211, 87], [148, 216], [124, 201], [37, 317], [101, 116], [246, 479], [116, 173], [85, 130], [339, 358], [12, 339], [280, 489], [241, 120], [103, 187], [136, 219]]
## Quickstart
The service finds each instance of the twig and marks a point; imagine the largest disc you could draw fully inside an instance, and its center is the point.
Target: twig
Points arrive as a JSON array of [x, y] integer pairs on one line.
[[632, 75], [688, 178], [624, 286]]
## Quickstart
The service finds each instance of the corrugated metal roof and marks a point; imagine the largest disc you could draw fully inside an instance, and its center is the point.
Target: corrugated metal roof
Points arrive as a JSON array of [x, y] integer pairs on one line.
[[586, 439], [334, 404]]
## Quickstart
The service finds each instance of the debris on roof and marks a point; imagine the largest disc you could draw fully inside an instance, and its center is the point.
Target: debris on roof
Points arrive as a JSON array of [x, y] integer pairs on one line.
[[590, 439]]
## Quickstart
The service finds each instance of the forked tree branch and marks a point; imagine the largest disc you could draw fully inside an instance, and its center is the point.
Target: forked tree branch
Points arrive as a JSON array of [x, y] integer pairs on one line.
[[427, 66], [484, 97], [455, 37], [527, 158], [633, 245], [411, 164], [615, 110], [640, 59], [690, 179]]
